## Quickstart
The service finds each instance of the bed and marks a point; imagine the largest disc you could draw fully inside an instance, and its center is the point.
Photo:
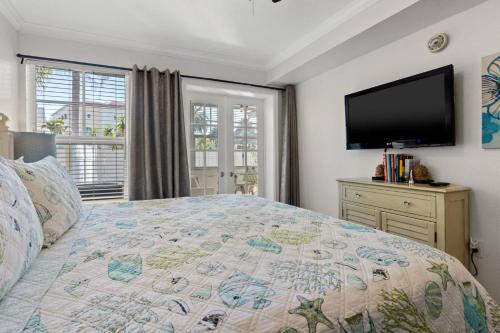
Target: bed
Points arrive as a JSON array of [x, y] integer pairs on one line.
[[240, 264]]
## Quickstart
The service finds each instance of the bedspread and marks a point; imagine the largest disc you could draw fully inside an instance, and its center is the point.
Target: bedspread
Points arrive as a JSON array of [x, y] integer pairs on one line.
[[247, 264]]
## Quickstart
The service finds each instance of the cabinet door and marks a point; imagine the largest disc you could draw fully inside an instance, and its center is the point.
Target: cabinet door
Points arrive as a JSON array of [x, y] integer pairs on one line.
[[367, 216], [415, 229]]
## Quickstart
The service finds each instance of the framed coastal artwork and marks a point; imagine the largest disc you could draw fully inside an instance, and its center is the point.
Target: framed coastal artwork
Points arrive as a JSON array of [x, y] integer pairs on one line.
[[490, 87]]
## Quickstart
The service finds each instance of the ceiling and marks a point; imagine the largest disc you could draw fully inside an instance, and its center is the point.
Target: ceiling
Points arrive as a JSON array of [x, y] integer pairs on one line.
[[287, 42], [252, 34]]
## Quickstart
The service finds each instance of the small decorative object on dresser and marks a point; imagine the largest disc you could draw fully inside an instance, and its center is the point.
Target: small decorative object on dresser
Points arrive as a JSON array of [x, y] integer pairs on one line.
[[379, 172], [436, 216], [421, 174]]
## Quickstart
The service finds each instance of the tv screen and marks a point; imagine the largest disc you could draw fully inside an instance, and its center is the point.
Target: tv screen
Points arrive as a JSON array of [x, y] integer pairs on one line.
[[413, 112]]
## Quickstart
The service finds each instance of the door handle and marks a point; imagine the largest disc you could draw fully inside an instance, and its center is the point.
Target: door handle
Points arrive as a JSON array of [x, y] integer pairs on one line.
[[222, 174]]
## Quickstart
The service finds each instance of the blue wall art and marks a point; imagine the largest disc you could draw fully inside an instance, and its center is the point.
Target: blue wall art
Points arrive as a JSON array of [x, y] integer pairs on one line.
[[490, 85]]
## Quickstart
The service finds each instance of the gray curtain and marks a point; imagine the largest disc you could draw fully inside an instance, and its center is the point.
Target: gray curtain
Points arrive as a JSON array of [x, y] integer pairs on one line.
[[289, 157], [158, 152]]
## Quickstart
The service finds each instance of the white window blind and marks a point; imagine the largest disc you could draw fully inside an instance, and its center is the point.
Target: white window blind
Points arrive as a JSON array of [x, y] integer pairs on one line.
[[87, 112]]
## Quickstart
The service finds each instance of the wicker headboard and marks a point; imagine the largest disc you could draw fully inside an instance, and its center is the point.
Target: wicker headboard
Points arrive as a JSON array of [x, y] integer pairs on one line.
[[6, 138]]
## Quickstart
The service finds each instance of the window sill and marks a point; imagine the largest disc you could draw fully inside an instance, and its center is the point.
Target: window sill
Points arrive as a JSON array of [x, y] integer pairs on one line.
[[104, 201]]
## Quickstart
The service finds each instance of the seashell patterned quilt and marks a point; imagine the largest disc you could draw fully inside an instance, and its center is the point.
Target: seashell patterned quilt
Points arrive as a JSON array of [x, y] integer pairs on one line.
[[246, 264]]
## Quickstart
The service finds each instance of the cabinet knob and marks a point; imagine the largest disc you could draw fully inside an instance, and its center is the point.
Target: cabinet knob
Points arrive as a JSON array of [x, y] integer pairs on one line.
[[407, 203], [357, 195]]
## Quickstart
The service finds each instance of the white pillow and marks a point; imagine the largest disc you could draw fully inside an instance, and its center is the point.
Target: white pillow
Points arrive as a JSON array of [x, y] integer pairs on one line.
[[56, 199], [21, 235]]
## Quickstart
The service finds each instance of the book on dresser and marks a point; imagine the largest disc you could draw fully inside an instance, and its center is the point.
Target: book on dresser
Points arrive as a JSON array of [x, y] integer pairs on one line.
[[435, 216], [397, 167]]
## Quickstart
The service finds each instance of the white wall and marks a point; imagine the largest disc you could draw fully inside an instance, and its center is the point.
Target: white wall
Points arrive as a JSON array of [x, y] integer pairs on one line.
[[8, 72], [323, 157], [71, 50]]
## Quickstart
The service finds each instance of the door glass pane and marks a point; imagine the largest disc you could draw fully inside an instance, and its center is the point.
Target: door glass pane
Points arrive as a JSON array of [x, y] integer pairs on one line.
[[198, 114], [252, 132], [252, 159], [252, 144], [239, 143], [252, 117], [239, 158], [245, 150], [204, 150]]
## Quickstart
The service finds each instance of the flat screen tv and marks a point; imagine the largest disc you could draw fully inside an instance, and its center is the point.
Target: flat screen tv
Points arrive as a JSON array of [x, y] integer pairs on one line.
[[417, 111]]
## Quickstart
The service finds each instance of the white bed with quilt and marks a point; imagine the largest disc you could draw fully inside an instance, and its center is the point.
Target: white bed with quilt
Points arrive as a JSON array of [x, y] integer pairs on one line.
[[221, 263]]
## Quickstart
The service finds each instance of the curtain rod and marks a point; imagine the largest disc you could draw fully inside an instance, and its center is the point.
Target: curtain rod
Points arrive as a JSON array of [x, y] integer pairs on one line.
[[25, 56]]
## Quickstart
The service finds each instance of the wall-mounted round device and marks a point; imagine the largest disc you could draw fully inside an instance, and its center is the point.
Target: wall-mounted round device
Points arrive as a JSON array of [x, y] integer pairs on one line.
[[437, 43]]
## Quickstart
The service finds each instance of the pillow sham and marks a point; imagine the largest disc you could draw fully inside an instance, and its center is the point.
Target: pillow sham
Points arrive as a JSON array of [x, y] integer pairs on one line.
[[55, 197], [21, 235]]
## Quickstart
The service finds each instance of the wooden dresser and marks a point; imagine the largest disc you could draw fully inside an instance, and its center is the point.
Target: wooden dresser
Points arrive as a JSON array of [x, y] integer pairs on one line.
[[436, 216]]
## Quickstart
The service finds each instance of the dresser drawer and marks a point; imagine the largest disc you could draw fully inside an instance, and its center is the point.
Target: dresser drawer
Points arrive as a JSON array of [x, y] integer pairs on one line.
[[418, 204], [419, 230], [362, 215]]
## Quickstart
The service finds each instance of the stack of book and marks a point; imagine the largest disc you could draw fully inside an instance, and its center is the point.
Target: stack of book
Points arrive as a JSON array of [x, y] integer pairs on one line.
[[397, 167]]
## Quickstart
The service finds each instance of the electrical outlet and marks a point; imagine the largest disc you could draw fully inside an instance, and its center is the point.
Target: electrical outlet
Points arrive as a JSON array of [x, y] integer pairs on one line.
[[474, 245]]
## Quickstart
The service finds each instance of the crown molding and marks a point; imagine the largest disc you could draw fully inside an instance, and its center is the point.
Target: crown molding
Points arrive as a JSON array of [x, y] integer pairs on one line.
[[134, 45], [344, 15], [11, 14]]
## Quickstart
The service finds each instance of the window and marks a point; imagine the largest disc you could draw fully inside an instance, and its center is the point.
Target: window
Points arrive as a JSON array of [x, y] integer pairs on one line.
[[87, 112], [245, 149], [204, 130], [245, 136]]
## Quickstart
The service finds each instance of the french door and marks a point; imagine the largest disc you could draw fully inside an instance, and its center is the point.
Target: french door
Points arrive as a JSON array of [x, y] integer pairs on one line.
[[226, 145]]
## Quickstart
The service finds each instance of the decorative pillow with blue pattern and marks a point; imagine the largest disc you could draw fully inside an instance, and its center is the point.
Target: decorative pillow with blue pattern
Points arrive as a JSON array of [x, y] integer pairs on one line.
[[56, 198], [21, 235]]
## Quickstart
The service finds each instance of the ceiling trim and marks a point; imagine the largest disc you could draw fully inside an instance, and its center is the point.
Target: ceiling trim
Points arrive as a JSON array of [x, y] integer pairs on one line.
[[344, 15], [11, 14], [128, 44]]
